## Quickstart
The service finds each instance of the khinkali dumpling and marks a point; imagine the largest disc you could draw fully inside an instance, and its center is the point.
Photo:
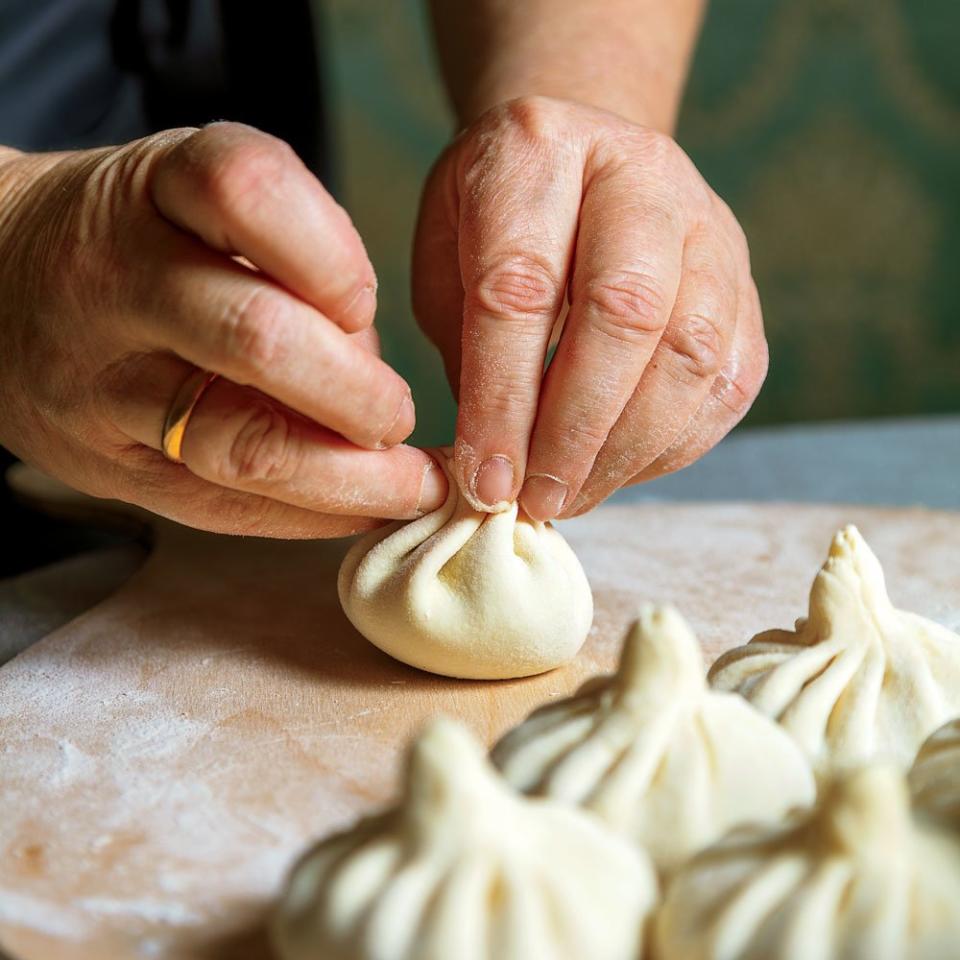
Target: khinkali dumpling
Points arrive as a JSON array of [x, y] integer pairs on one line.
[[857, 878], [466, 869], [935, 774], [468, 594], [656, 753], [857, 679]]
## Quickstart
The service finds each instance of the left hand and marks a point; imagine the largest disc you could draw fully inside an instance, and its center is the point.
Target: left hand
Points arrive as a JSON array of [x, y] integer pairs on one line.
[[544, 204]]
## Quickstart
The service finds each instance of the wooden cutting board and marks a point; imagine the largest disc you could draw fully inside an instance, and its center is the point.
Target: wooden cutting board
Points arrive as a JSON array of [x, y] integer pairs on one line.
[[164, 756]]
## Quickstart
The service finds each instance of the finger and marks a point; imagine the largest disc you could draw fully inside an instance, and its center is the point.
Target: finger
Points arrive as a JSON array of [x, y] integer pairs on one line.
[[628, 268], [730, 397], [244, 192], [518, 217], [436, 289], [694, 346], [171, 491], [228, 319], [242, 440]]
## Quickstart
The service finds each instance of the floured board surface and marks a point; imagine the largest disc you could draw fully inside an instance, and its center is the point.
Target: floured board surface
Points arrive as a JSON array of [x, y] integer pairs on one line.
[[165, 756]]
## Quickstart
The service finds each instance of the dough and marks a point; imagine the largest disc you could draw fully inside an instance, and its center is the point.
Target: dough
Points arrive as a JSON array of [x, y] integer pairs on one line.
[[468, 594], [858, 878], [655, 752], [857, 679], [465, 869], [935, 774]]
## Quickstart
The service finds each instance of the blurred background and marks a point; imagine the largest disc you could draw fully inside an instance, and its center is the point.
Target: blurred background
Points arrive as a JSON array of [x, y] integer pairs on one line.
[[832, 127]]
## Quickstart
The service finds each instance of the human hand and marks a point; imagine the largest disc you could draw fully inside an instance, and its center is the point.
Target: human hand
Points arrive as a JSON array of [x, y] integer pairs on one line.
[[125, 269], [543, 205]]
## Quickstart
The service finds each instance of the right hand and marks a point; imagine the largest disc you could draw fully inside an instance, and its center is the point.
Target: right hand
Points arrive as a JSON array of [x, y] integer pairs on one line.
[[122, 270]]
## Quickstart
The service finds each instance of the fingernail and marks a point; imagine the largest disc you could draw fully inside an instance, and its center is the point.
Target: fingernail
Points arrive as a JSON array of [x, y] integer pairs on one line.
[[433, 489], [543, 496], [403, 424], [360, 311], [493, 482]]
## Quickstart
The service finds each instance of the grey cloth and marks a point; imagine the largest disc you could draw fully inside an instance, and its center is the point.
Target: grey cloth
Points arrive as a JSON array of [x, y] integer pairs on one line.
[[87, 73], [60, 84]]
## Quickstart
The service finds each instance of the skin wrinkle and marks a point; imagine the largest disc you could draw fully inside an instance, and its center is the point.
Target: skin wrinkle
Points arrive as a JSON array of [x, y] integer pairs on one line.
[[557, 106], [650, 181], [99, 306]]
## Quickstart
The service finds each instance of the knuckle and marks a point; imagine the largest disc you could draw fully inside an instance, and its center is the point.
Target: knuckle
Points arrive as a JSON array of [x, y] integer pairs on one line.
[[244, 170], [516, 288], [695, 343], [738, 391], [534, 116], [253, 332], [264, 450], [737, 395], [648, 148], [629, 306], [535, 128], [659, 149]]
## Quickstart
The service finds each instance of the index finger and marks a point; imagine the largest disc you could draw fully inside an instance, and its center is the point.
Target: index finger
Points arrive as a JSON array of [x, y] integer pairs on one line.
[[517, 225], [244, 192], [228, 319]]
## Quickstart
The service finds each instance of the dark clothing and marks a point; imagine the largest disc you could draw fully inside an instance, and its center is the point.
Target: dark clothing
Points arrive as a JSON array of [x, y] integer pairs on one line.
[[86, 73]]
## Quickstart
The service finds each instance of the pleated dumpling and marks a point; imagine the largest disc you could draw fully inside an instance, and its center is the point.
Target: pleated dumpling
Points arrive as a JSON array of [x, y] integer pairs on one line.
[[857, 878], [656, 753], [468, 594], [466, 869], [857, 679], [935, 774]]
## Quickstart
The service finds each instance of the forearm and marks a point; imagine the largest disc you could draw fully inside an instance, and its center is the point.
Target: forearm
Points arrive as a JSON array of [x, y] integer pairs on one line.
[[631, 60]]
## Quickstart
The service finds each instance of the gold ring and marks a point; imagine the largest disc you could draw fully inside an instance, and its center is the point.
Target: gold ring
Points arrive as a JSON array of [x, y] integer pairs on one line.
[[178, 416]]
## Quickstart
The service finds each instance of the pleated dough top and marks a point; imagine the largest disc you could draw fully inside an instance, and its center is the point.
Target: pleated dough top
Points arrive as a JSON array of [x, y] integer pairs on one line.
[[656, 753], [465, 869], [468, 594], [857, 878], [857, 679], [935, 774]]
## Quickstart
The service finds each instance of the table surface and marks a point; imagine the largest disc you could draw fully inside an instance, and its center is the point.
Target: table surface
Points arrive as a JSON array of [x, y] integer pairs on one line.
[[167, 754], [900, 462]]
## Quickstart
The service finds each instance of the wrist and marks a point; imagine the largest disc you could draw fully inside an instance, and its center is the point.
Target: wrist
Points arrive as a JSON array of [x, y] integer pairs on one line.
[[633, 107]]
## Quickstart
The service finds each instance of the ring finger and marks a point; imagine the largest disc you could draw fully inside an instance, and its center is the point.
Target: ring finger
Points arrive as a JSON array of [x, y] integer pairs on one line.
[[695, 344], [240, 439]]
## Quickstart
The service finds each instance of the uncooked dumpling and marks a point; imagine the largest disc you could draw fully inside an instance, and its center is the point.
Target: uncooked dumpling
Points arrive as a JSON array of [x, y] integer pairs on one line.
[[935, 774], [466, 869], [858, 878], [656, 753], [469, 594], [857, 679]]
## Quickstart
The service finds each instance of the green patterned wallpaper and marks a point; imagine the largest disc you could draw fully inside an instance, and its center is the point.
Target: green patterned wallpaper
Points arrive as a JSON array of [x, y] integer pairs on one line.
[[832, 127]]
